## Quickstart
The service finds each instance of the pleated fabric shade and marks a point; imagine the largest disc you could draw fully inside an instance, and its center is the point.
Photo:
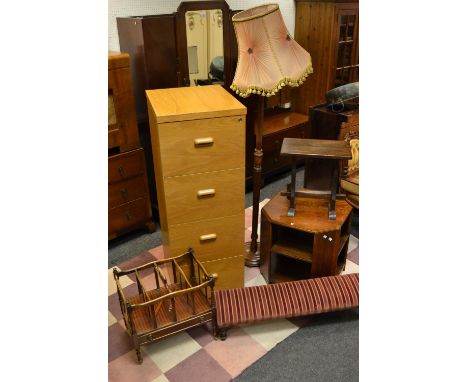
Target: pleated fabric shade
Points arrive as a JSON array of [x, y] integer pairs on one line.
[[269, 58]]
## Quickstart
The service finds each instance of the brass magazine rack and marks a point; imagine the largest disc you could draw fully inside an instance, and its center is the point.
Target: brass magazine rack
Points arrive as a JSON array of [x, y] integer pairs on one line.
[[182, 298]]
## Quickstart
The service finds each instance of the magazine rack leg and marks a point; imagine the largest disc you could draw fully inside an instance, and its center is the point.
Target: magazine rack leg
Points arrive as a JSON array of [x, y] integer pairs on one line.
[[138, 354]]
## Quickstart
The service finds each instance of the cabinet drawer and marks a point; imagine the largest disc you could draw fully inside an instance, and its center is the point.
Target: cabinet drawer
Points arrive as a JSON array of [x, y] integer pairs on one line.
[[211, 239], [230, 272], [204, 196], [190, 147], [126, 165], [272, 147], [126, 191], [129, 215]]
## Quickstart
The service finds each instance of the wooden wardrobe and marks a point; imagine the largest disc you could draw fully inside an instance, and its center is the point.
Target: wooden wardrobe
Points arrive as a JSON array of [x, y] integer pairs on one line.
[[329, 31]]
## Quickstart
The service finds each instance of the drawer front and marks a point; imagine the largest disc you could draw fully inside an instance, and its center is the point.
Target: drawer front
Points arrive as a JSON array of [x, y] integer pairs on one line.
[[190, 147], [126, 191], [230, 272], [126, 165], [204, 196], [129, 215], [272, 147], [211, 239]]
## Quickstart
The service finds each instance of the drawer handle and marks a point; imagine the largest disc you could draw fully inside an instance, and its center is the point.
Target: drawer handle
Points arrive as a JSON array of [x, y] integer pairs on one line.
[[207, 192], [208, 141], [129, 216], [124, 193], [121, 171], [210, 236]]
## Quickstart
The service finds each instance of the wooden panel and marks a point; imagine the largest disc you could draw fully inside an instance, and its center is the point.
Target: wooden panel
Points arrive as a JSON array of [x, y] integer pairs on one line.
[[315, 24], [202, 145], [183, 204], [150, 41], [279, 122], [129, 215], [229, 240], [230, 272], [316, 148], [120, 87], [117, 60], [196, 102], [325, 257], [126, 191], [265, 247], [113, 138], [126, 165]]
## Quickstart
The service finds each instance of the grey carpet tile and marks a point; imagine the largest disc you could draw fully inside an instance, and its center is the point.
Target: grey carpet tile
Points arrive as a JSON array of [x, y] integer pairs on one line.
[[325, 349]]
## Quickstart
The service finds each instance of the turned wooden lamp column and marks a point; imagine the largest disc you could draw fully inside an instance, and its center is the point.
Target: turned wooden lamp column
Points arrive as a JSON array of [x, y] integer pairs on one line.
[[269, 59]]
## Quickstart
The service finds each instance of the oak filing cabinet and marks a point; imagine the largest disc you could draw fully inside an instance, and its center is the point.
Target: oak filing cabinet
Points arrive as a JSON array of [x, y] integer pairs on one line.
[[198, 141]]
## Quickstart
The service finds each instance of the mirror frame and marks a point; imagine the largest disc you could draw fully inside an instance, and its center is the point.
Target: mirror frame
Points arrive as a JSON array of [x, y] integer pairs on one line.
[[183, 77]]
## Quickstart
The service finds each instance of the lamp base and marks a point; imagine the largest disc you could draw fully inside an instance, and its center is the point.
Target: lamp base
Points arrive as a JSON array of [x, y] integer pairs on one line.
[[251, 259]]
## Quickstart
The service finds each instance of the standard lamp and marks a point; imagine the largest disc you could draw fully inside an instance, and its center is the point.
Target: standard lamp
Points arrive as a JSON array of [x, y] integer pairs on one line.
[[268, 60]]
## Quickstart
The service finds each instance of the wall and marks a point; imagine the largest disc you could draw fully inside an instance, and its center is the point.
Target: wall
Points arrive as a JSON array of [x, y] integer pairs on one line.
[[121, 8]]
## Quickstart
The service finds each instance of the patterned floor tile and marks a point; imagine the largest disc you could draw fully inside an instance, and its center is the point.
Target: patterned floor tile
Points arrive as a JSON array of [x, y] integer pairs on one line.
[[237, 352], [169, 351], [350, 268], [119, 342], [112, 286], [126, 369], [353, 243], [354, 255], [157, 252], [110, 319], [250, 273], [202, 334], [199, 367], [161, 378], [258, 280], [270, 333], [194, 355]]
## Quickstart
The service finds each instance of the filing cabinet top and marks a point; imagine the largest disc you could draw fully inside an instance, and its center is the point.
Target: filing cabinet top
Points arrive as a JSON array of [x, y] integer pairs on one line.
[[195, 102]]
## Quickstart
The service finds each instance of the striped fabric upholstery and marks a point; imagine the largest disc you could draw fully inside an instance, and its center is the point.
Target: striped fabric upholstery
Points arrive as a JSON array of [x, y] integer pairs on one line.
[[289, 299]]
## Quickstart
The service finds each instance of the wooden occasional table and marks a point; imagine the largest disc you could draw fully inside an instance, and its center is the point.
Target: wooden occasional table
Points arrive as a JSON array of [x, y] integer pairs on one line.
[[334, 151], [304, 246]]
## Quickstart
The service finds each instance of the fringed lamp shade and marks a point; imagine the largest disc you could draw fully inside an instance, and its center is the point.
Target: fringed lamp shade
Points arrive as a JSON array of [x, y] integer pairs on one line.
[[269, 58]]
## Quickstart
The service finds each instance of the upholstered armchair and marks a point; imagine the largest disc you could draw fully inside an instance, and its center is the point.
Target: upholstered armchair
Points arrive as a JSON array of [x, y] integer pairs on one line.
[[350, 182]]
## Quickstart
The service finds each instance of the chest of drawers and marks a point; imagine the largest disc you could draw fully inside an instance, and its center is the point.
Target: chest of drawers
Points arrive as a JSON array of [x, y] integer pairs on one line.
[[128, 200], [198, 142], [129, 206]]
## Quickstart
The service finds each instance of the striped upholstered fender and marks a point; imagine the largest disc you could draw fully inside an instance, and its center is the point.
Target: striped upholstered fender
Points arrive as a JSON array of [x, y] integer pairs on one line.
[[290, 299]]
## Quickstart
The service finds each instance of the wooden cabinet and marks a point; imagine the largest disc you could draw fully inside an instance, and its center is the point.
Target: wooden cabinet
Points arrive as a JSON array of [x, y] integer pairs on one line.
[[128, 199], [304, 246], [328, 30], [198, 140]]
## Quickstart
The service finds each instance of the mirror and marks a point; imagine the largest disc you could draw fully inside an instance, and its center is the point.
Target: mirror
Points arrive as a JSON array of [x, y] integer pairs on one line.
[[204, 30], [204, 44]]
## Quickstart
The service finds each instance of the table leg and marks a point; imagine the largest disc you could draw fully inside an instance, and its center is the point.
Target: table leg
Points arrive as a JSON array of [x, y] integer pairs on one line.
[[292, 195], [334, 185]]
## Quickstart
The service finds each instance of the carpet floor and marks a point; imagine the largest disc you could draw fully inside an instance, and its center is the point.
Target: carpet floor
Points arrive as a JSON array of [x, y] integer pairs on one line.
[[193, 355]]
